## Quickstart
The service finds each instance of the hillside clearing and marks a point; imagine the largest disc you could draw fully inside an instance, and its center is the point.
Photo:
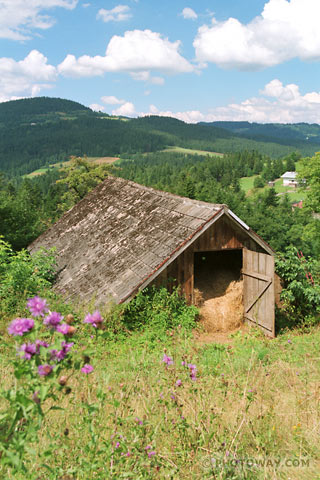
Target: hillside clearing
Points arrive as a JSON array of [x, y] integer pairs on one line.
[[192, 152], [95, 160]]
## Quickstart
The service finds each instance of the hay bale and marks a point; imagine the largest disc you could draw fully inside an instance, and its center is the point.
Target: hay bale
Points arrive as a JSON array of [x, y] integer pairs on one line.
[[220, 298]]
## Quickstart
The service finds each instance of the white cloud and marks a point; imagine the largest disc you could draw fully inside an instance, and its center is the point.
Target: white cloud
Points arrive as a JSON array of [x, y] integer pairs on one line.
[[140, 76], [189, 14], [96, 107], [157, 80], [119, 13], [126, 110], [136, 52], [190, 116], [19, 17], [277, 103], [86, 5], [25, 77], [285, 29], [111, 100]]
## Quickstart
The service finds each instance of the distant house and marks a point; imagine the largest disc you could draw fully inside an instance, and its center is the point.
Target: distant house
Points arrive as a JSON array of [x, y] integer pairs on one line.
[[290, 179], [297, 204], [123, 237]]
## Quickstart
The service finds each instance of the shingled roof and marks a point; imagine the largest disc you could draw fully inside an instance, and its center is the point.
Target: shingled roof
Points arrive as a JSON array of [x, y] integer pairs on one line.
[[114, 240]]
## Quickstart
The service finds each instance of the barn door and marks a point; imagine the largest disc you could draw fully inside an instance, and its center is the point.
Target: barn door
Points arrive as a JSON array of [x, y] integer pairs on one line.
[[258, 290]]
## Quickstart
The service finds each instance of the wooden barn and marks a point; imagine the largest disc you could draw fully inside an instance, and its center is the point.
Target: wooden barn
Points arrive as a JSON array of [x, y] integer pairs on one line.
[[123, 237]]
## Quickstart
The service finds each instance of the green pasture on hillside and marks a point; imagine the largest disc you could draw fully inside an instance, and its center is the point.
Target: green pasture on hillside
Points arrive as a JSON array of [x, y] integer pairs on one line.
[[295, 195], [192, 152], [96, 160]]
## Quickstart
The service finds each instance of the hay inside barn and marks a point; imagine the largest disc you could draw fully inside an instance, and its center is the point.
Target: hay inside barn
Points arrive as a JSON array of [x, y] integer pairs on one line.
[[219, 290]]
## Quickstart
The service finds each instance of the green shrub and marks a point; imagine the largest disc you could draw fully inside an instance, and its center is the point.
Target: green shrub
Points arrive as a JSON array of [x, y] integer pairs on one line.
[[301, 292], [22, 276], [159, 310]]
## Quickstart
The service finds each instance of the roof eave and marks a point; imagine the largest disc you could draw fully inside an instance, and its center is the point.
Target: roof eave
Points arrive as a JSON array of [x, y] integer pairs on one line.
[[181, 248]]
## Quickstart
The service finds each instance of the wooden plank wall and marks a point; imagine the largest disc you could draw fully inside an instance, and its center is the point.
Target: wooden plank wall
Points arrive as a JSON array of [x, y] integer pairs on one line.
[[222, 235], [255, 266]]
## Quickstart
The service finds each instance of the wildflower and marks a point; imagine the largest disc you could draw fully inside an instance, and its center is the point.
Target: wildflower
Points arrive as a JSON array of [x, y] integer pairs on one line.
[[37, 306], [95, 319], [70, 319], [172, 396], [63, 328], [289, 341], [53, 319], [44, 370], [193, 371], [128, 454], [71, 330], [35, 397], [151, 454], [148, 447], [41, 343], [19, 326], [87, 368], [167, 360], [178, 383], [29, 350], [61, 354], [140, 422], [63, 380], [117, 445], [183, 363]]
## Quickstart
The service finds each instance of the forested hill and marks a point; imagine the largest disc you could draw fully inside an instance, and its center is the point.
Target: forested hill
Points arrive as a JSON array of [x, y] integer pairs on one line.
[[37, 109], [39, 131], [286, 134]]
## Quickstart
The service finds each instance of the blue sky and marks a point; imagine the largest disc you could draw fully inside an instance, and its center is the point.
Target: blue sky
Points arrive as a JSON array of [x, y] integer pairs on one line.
[[204, 60]]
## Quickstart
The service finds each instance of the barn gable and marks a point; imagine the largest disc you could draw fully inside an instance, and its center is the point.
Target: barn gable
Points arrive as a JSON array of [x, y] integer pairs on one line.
[[122, 236]]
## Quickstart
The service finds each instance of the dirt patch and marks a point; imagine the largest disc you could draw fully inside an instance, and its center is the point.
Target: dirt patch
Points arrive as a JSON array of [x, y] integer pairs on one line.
[[220, 298]]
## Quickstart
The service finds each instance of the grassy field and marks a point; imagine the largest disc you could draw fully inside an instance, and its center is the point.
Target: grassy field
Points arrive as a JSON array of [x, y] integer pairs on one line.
[[95, 160], [295, 195], [252, 412], [192, 152]]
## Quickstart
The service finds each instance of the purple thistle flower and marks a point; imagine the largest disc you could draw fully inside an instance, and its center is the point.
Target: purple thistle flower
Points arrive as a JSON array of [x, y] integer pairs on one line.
[[289, 341], [37, 306], [128, 454], [41, 343], [53, 319], [178, 383], [61, 354], [29, 350], [167, 360], [192, 367], [19, 326], [44, 370], [95, 319], [140, 422], [183, 363], [117, 445], [148, 447], [63, 328], [87, 368], [151, 454]]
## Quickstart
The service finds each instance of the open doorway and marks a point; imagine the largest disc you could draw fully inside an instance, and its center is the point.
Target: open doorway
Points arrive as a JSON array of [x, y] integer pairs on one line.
[[219, 289]]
